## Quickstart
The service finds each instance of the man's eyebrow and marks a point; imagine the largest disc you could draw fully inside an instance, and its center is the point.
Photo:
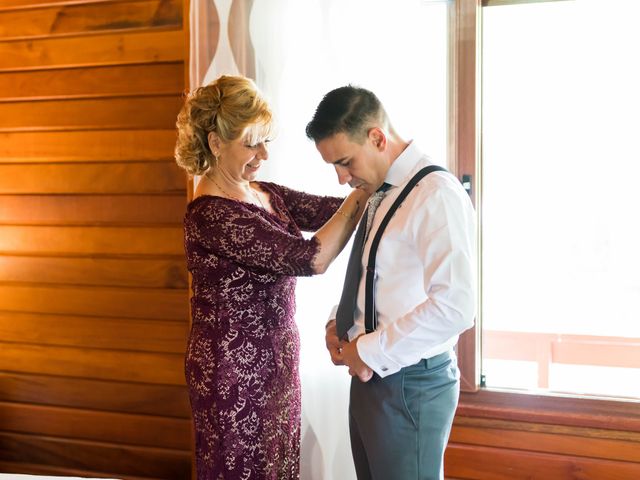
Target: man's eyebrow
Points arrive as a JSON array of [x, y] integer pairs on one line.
[[340, 161]]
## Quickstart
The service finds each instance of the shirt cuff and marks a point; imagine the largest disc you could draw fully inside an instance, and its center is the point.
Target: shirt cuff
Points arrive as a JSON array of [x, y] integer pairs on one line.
[[371, 353]]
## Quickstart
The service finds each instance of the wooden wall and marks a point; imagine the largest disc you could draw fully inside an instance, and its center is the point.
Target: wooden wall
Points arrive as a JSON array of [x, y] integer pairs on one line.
[[93, 286], [496, 439]]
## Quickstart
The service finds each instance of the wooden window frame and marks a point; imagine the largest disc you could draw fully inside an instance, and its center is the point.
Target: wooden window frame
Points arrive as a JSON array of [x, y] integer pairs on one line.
[[464, 150]]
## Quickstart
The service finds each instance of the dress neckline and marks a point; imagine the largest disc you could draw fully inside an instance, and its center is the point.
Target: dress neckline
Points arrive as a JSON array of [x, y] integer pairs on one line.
[[274, 214]]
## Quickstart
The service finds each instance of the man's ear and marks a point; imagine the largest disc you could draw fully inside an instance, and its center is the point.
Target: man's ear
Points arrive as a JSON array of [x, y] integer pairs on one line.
[[378, 138], [214, 142]]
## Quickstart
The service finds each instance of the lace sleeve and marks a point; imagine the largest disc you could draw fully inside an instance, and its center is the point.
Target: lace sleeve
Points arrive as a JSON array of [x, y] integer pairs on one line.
[[240, 234], [309, 211]]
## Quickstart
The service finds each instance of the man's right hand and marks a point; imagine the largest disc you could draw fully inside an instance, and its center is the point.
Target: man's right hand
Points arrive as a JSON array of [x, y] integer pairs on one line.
[[334, 344]]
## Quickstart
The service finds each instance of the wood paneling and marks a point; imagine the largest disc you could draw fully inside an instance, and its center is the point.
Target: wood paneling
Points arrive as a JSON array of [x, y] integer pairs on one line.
[[31, 469], [93, 284], [162, 78], [100, 426], [92, 209], [498, 439], [91, 240], [125, 366], [95, 456], [26, 4], [96, 49], [486, 463], [160, 304], [105, 333], [105, 145], [116, 272], [114, 178], [573, 441], [100, 395], [65, 19], [133, 112]]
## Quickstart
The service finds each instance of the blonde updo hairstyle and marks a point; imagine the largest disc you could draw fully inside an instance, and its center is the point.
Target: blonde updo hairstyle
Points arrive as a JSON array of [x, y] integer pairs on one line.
[[229, 106]]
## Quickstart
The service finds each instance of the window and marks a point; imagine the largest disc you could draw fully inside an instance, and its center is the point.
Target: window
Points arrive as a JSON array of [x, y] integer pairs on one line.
[[512, 404], [560, 276]]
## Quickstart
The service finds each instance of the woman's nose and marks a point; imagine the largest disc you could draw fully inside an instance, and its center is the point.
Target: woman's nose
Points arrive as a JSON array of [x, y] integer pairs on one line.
[[263, 153]]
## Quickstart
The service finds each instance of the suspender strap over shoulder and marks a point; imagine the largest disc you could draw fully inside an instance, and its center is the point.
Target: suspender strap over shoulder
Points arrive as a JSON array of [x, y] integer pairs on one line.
[[370, 316]]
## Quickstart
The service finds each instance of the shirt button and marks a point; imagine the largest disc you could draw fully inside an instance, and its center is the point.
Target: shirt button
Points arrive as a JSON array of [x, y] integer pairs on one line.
[[384, 369]]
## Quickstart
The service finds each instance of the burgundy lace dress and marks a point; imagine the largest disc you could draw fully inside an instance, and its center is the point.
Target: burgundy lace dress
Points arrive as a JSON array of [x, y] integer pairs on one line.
[[242, 357]]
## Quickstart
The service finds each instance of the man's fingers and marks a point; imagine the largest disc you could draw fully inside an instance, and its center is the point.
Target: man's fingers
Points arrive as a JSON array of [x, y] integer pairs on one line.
[[363, 375], [336, 355]]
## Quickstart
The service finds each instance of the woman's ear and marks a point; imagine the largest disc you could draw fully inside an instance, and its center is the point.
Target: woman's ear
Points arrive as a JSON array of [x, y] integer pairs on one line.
[[214, 142], [378, 137]]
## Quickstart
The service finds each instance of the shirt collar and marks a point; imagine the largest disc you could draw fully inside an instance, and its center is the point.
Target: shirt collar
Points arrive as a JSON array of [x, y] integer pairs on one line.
[[404, 165]]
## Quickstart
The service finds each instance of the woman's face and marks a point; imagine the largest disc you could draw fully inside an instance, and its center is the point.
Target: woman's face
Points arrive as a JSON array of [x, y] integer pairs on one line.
[[241, 159]]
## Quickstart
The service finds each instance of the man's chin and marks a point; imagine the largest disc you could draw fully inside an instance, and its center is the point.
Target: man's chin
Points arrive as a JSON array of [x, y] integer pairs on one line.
[[365, 188]]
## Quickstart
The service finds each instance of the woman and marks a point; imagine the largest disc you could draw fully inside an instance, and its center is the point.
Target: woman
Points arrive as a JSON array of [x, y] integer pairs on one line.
[[244, 249]]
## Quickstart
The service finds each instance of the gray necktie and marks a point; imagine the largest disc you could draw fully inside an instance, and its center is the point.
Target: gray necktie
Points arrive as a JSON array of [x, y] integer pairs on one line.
[[374, 203], [347, 306]]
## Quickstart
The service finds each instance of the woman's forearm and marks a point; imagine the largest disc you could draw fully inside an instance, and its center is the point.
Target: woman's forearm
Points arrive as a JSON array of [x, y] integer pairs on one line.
[[335, 234]]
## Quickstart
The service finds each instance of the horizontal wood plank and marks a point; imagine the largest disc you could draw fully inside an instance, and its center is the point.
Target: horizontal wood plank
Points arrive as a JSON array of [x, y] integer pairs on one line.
[[91, 240], [87, 178], [141, 46], [32, 469], [80, 146], [95, 456], [92, 210], [485, 463], [574, 441], [136, 273], [125, 366], [159, 304], [31, 4], [48, 470], [90, 332], [103, 113], [121, 428], [160, 78], [552, 409], [87, 17], [113, 396]]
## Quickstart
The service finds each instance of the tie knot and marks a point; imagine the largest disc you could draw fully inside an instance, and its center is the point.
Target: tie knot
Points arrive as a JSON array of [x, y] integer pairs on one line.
[[384, 187]]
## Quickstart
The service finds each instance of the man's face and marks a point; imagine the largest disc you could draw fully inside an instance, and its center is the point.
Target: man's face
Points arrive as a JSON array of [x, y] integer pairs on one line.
[[361, 166]]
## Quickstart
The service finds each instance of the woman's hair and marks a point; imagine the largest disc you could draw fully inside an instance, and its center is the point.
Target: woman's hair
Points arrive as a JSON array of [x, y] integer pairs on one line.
[[230, 106]]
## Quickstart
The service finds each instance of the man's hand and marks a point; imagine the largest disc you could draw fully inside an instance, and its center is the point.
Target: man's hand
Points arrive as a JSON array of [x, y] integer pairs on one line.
[[334, 345], [351, 358], [346, 353]]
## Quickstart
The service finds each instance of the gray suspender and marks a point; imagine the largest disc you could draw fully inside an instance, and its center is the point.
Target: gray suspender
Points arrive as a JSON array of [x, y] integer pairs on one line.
[[370, 316]]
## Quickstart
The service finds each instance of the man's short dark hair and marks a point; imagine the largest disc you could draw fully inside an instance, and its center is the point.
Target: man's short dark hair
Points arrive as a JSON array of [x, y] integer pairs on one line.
[[350, 110]]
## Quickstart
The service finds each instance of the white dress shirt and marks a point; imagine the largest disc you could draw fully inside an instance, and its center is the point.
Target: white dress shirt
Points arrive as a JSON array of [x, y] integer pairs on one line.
[[425, 287]]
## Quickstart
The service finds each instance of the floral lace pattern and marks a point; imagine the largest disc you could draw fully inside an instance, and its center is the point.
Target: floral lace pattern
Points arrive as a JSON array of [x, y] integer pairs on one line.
[[242, 356]]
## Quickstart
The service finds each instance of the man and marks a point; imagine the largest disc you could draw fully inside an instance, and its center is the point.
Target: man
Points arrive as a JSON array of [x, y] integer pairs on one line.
[[405, 384]]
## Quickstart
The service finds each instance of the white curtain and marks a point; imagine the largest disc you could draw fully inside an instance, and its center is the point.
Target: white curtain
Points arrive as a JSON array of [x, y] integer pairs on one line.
[[297, 50]]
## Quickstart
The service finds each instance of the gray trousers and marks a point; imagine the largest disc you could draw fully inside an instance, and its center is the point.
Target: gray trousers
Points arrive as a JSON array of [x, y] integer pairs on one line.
[[400, 424]]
